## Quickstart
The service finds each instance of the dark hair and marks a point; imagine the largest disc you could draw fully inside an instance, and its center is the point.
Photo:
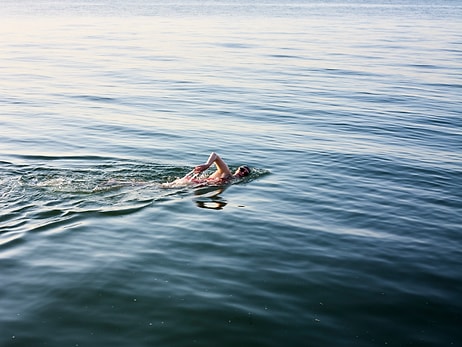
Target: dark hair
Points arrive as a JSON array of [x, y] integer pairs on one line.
[[246, 168]]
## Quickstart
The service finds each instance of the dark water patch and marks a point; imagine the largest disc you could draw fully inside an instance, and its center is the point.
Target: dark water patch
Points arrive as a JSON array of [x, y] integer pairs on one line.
[[446, 86], [238, 45], [95, 98], [286, 56]]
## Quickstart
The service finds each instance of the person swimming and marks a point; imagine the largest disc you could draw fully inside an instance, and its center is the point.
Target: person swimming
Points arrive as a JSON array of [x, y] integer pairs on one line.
[[222, 175]]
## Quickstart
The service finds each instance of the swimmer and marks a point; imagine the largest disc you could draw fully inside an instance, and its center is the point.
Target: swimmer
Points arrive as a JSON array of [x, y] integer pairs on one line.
[[222, 174]]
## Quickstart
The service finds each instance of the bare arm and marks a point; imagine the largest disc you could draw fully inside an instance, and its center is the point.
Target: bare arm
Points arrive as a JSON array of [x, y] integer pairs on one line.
[[222, 168]]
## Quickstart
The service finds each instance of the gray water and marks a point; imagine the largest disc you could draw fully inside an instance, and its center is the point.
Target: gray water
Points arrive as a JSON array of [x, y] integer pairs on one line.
[[347, 233]]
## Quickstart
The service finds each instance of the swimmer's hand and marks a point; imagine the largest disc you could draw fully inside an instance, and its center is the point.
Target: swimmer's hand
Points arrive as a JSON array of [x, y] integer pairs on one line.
[[201, 168]]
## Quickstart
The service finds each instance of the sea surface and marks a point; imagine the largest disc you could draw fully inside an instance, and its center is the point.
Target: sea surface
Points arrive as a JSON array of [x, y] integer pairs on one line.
[[348, 231]]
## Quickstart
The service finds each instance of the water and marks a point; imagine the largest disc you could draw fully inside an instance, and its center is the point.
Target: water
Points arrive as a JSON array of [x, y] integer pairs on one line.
[[348, 232]]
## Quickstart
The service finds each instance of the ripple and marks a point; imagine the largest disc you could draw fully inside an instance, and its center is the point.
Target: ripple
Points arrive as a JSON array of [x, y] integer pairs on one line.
[[350, 235]]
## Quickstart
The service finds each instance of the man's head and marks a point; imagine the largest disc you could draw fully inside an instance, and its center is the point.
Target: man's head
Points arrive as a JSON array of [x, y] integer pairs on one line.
[[242, 171]]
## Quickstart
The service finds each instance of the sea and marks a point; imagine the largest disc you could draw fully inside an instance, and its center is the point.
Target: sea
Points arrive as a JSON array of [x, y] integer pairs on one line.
[[348, 232]]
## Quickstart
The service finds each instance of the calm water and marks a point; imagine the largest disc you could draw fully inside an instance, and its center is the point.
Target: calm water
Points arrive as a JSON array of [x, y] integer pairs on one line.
[[348, 232]]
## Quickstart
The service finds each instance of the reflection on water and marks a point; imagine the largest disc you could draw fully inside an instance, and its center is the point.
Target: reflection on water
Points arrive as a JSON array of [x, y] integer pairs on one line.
[[210, 198]]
